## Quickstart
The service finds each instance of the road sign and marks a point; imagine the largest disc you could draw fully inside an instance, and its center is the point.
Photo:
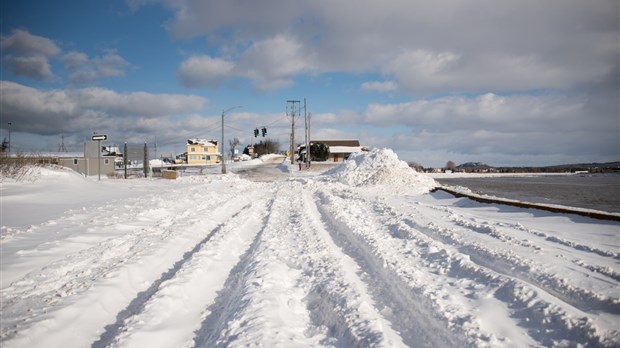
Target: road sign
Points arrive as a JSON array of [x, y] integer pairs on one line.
[[100, 137]]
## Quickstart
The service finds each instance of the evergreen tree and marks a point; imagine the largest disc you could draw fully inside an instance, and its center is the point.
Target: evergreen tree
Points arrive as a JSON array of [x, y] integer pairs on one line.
[[319, 152]]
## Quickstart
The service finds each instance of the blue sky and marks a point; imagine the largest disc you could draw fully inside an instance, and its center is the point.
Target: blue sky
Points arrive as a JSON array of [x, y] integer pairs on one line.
[[514, 83]]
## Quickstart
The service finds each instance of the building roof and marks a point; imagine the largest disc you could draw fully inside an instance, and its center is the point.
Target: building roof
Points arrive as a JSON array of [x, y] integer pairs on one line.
[[49, 154], [204, 142], [337, 142]]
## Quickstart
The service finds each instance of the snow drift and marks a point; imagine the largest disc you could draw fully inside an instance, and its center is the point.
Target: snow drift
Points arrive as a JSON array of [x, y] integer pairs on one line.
[[380, 167]]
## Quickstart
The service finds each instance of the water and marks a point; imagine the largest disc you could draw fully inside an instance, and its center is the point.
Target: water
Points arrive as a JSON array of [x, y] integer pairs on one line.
[[600, 191]]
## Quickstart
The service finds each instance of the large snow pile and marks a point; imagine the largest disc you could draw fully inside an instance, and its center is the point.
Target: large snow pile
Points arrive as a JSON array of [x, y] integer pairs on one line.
[[380, 167]]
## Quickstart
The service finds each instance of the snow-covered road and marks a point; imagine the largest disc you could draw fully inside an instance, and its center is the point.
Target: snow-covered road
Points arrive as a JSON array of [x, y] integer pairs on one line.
[[358, 257]]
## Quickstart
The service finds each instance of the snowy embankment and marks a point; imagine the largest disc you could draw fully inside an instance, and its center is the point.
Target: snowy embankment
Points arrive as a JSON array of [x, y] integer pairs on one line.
[[360, 256]]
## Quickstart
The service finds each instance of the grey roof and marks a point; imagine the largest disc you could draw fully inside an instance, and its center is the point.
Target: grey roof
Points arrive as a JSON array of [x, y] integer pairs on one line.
[[337, 142]]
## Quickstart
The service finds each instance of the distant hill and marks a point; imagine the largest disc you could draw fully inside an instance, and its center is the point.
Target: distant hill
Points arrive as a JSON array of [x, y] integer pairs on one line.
[[588, 166], [608, 167], [575, 167], [473, 166]]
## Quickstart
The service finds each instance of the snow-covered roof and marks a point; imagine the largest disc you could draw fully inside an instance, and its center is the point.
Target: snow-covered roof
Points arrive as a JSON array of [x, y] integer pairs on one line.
[[204, 142], [345, 149], [50, 154]]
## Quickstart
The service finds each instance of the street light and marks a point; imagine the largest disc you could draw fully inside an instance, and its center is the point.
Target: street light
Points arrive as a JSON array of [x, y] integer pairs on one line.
[[223, 150]]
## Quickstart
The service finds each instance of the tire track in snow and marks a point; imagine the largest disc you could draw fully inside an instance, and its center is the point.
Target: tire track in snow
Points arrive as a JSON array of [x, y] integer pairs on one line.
[[163, 305], [261, 295], [530, 305], [486, 228], [155, 246], [339, 299], [510, 263], [295, 274], [74, 273], [407, 306], [228, 299]]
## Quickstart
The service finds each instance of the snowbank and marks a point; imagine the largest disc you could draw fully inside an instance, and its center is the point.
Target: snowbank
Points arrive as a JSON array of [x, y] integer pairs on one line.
[[43, 193], [271, 157], [380, 167]]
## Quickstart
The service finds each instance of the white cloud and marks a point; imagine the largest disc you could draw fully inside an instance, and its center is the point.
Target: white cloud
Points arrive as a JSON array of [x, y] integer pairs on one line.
[[426, 48], [75, 60], [85, 70], [48, 112], [379, 86], [28, 55], [270, 64], [35, 67], [423, 70], [489, 111], [138, 103], [197, 17], [21, 42], [205, 71], [492, 126]]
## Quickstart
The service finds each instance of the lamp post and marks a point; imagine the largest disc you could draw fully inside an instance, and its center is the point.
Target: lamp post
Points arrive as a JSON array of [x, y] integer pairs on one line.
[[223, 149], [10, 123]]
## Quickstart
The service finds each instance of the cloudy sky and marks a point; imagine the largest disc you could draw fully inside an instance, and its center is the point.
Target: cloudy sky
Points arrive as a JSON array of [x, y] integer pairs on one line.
[[521, 82]]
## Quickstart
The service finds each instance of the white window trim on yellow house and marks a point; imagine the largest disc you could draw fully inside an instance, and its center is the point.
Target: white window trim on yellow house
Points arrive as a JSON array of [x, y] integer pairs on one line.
[[202, 151]]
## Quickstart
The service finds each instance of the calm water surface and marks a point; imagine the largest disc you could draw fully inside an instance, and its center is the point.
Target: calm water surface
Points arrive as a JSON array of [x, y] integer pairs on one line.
[[600, 191]]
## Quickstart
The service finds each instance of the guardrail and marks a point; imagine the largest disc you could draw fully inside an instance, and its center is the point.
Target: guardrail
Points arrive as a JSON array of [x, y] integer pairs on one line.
[[601, 215]]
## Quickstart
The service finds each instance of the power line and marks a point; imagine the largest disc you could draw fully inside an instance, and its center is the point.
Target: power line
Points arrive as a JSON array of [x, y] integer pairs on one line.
[[285, 116], [237, 129]]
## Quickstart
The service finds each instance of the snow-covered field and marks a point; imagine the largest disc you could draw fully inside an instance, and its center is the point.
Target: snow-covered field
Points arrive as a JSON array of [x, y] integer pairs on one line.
[[361, 256]]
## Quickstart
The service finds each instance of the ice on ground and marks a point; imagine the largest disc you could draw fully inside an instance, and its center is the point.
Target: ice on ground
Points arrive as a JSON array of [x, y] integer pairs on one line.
[[380, 167]]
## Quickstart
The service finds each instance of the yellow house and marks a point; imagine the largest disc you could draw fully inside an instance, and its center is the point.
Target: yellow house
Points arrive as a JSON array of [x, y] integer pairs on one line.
[[202, 151]]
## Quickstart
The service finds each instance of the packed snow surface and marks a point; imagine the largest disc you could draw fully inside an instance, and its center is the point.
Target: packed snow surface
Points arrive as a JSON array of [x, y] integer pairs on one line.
[[361, 256]]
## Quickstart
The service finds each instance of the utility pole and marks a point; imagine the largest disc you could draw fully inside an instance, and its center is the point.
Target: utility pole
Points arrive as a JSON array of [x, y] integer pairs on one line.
[[125, 156], [292, 102], [10, 123], [309, 121], [145, 166], [222, 150], [307, 135]]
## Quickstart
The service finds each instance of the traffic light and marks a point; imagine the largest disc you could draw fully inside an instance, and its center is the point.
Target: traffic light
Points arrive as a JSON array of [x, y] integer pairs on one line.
[[255, 132], [264, 131]]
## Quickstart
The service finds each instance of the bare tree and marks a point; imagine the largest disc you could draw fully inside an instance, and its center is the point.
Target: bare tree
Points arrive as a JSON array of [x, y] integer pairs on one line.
[[233, 144], [417, 166]]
